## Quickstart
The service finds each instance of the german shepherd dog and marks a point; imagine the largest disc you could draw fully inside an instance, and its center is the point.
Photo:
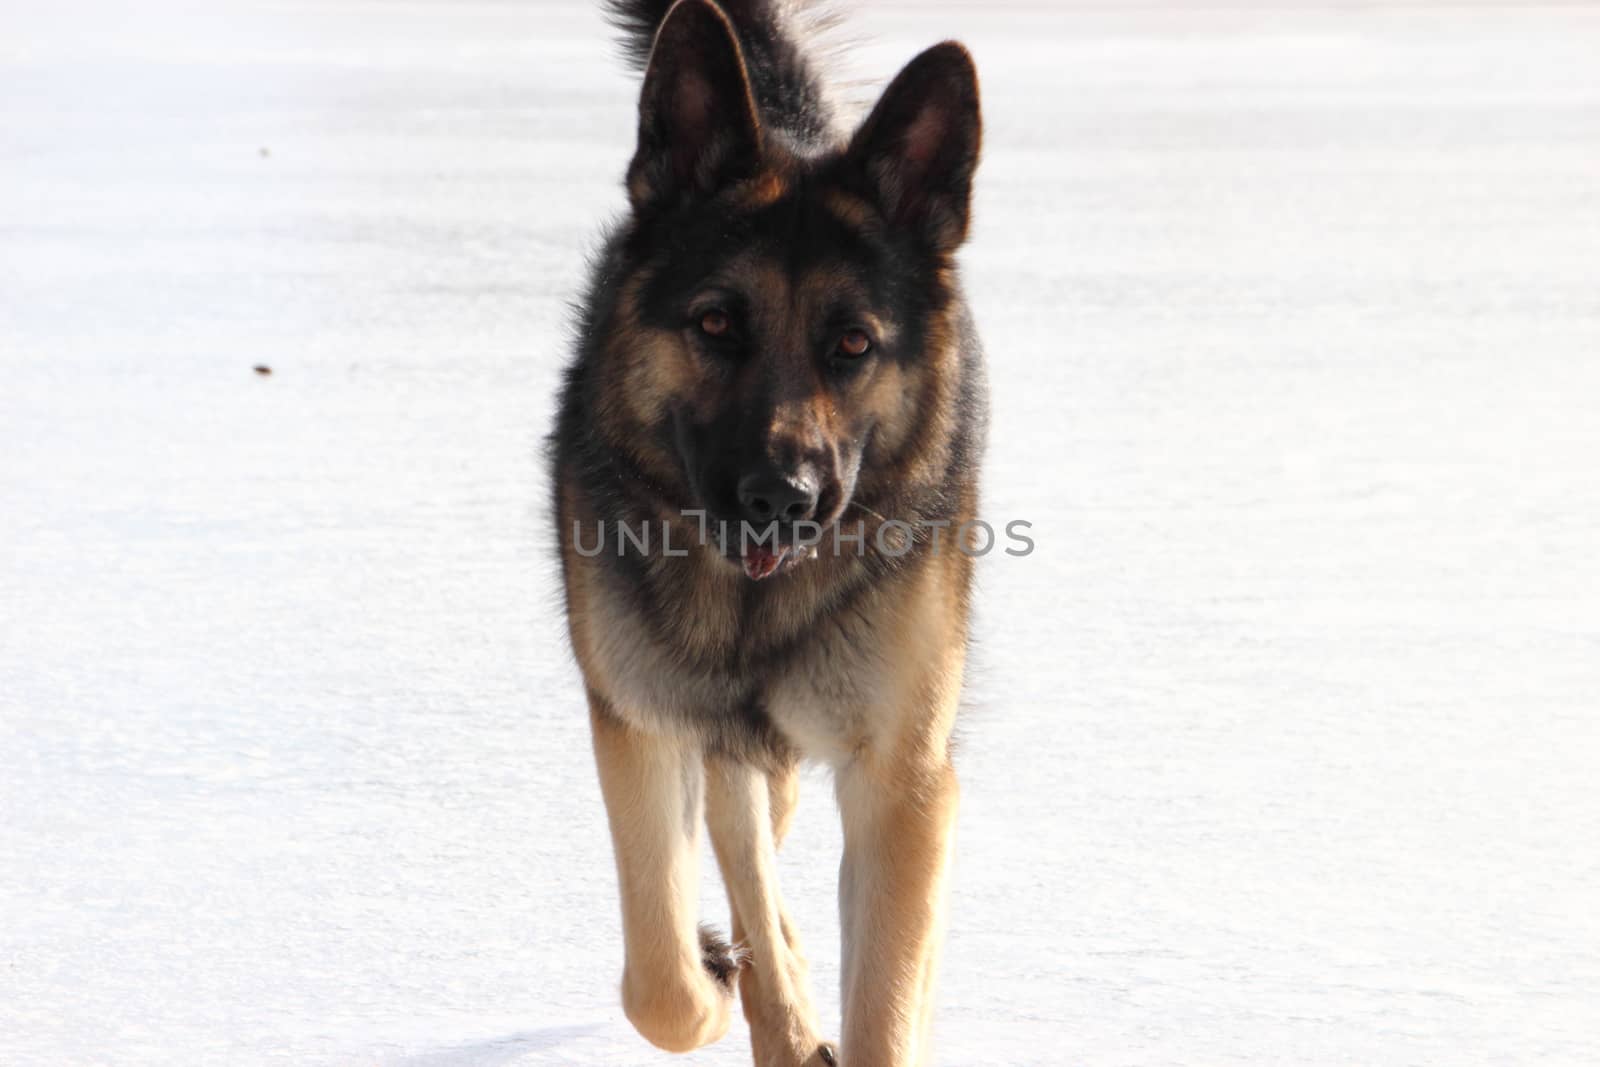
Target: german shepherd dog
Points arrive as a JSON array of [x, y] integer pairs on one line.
[[774, 340]]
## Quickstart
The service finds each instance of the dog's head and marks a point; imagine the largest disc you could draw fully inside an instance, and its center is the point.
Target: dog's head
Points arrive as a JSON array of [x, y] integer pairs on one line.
[[782, 315]]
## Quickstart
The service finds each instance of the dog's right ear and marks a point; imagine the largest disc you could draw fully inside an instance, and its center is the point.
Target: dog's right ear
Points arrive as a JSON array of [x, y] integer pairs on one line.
[[698, 128]]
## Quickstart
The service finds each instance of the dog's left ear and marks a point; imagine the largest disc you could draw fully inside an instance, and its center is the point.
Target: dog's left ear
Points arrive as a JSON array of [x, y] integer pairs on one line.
[[698, 127], [919, 147]]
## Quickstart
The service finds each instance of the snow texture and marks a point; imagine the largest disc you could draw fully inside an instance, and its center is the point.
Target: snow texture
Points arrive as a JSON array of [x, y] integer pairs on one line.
[[1283, 747]]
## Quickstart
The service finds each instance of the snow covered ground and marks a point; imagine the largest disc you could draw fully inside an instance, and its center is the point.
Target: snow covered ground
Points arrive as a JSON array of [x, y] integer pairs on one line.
[[1284, 747]]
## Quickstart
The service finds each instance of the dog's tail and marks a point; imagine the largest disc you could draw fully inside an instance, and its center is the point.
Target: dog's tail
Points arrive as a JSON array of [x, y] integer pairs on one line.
[[785, 80]]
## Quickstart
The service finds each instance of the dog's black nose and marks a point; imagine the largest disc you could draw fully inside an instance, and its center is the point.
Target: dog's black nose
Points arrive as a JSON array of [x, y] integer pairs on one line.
[[768, 496]]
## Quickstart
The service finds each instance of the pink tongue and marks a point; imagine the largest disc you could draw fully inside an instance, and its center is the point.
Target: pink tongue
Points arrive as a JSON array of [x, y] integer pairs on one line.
[[759, 562]]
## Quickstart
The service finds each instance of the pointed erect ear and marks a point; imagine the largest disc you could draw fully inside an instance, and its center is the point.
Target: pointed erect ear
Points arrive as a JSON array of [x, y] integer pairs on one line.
[[919, 147], [698, 129]]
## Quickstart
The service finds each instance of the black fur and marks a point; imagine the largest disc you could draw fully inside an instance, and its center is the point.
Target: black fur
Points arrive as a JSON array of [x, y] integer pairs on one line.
[[721, 959], [783, 79]]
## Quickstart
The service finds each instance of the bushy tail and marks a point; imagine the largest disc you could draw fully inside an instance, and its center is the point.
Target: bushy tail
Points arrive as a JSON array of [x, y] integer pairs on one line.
[[788, 88]]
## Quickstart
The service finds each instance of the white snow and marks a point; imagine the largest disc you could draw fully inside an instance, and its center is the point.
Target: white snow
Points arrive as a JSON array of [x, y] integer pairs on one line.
[[1283, 747]]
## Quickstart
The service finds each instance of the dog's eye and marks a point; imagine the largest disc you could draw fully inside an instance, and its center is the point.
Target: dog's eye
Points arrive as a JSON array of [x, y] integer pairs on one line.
[[854, 344], [715, 323]]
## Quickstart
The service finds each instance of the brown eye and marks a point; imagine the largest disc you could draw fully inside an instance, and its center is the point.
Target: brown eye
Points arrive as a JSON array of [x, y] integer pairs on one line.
[[854, 344], [715, 323]]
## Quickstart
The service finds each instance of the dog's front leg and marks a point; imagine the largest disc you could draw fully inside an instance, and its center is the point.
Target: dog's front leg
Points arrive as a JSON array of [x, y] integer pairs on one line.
[[899, 815], [676, 984], [748, 811]]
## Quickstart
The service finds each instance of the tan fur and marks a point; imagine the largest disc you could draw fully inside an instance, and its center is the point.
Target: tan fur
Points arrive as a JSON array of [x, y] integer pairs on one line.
[[765, 188], [747, 812], [898, 799], [853, 211], [652, 791], [914, 438]]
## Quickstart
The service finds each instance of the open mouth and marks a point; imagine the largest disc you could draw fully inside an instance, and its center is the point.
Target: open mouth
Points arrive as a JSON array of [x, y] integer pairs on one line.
[[762, 552], [763, 561]]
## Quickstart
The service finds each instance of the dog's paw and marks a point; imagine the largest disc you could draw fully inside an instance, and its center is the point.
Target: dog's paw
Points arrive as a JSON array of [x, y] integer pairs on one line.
[[722, 960]]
